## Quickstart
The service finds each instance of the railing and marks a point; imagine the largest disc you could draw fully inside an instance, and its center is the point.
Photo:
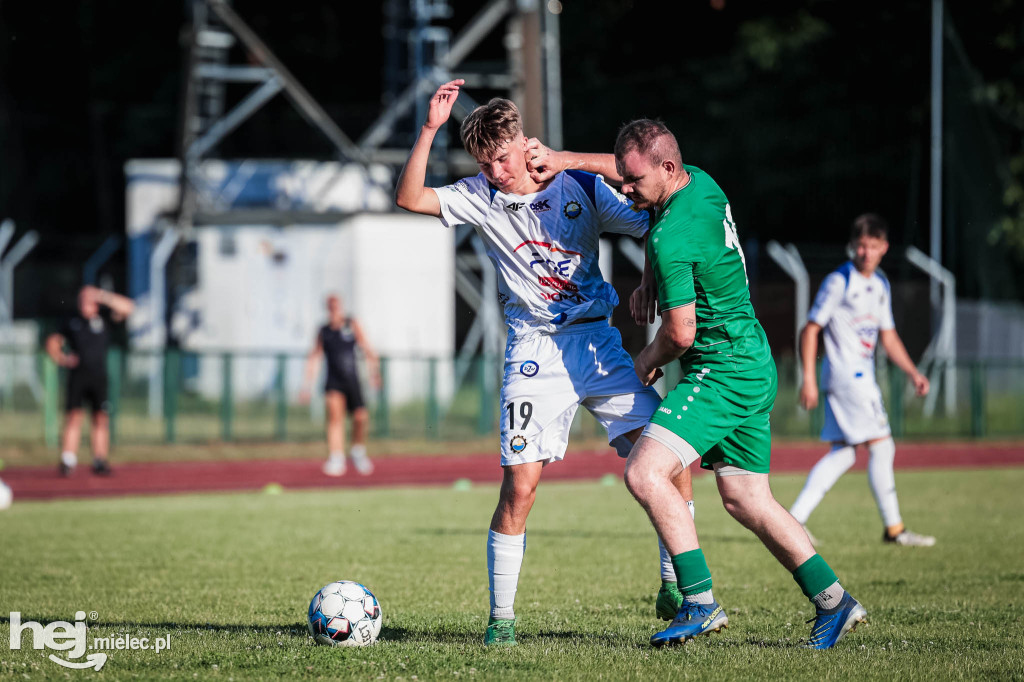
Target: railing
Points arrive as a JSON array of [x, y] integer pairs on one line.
[[185, 397]]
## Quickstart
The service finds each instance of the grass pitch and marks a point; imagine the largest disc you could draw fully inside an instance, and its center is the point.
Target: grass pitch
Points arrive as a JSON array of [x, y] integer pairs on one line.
[[229, 577]]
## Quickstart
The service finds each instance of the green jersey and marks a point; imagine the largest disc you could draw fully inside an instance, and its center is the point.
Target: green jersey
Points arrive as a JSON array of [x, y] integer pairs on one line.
[[696, 257]]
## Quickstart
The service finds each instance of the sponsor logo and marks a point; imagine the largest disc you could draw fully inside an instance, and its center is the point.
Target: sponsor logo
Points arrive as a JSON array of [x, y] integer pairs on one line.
[[556, 283], [518, 443], [540, 206], [555, 267], [529, 368], [514, 206], [665, 410], [462, 188], [572, 210]]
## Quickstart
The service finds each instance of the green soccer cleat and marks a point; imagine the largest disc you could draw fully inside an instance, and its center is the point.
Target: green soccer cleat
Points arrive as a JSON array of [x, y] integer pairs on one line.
[[500, 633], [670, 600]]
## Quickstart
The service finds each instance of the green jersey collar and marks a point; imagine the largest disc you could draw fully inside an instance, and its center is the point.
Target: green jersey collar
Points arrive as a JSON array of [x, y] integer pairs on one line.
[[685, 189]]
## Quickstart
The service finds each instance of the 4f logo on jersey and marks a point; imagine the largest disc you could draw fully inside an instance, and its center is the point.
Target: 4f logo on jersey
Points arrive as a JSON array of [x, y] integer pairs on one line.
[[514, 206], [572, 210], [540, 206]]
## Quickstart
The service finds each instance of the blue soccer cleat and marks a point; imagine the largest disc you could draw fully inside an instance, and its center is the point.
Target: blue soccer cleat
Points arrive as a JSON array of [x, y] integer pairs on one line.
[[691, 621], [832, 625]]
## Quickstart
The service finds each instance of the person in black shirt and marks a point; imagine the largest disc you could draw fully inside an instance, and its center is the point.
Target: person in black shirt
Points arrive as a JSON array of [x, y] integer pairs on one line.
[[336, 342], [81, 346]]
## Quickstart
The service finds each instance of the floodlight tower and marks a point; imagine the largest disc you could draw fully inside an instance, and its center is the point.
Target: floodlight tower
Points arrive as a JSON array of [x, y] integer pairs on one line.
[[529, 75]]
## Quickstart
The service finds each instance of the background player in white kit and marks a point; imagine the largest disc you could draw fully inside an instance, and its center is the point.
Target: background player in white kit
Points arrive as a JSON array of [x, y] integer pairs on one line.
[[542, 238], [854, 308]]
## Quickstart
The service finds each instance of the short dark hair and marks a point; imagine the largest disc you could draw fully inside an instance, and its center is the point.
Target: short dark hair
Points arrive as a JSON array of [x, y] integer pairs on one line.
[[650, 138], [869, 225], [489, 126]]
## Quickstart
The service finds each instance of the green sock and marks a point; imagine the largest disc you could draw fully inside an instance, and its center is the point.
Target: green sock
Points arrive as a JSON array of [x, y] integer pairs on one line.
[[692, 572], [814, 576]]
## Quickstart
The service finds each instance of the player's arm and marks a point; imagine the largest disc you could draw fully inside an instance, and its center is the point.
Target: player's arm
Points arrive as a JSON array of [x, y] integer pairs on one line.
[[897, 352], [544, 163], [809, 362], [121, 307], [55, 349], [674, 337], [643, 302], [412, 194], [372, 361], [311, 369]]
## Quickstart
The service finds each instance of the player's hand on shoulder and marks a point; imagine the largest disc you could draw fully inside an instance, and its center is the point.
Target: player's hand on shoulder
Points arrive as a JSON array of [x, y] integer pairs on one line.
[[540, 161], [70, 361], [441, 103], [808, 395]]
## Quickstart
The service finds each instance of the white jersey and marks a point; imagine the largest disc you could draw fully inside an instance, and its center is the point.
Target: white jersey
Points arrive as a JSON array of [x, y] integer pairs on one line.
[[544, 246], [851, 308]]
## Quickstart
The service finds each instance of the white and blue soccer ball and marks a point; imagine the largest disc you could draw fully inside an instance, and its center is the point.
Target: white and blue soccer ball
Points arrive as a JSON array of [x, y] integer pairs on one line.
[[344, 613]]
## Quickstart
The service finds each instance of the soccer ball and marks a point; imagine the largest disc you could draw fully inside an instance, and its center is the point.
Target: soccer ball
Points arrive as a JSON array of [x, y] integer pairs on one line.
[[344, 613]]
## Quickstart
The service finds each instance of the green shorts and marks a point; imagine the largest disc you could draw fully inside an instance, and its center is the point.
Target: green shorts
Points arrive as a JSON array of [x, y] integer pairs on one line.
[[723, 415]]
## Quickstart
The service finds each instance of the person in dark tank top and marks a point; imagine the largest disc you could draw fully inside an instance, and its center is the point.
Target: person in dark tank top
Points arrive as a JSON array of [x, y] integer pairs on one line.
[[336, 342], [81, 346]]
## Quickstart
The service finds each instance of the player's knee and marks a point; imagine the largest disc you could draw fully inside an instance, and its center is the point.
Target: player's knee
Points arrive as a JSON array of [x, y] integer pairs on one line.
[[518, 496], [739, 502], [843, 456], [639, 479], [361, 416]]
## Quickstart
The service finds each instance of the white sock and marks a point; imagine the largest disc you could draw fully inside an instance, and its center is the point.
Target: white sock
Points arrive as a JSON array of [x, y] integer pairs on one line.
[[821, 479], [504, 561], [829, 597], [704, 597], [668, 571], [68, 458], [336, 455], [357, 451], [883, 481]]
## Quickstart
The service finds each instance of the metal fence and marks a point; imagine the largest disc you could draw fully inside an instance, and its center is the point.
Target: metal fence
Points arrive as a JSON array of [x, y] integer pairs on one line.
[[185, 397]]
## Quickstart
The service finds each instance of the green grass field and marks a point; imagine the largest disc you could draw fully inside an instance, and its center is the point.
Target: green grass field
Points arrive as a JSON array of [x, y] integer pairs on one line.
[[229, 577]]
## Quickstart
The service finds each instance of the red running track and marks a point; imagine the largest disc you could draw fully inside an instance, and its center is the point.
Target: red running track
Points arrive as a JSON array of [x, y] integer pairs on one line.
[[43, 483]]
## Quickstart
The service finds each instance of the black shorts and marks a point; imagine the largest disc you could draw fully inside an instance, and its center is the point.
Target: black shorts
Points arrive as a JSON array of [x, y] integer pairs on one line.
[[347, 387], [87, 388]]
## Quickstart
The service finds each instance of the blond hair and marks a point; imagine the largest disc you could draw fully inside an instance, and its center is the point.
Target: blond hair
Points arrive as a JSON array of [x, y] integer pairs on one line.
[[490, 126]]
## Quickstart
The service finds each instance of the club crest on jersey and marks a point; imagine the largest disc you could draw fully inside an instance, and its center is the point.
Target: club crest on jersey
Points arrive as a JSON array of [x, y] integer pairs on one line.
[[518, 443], [529, 368], [572, 210], [514, 206]]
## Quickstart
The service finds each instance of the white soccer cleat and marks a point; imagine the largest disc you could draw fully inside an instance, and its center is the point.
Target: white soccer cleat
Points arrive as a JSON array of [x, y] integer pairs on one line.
[[335, 466], [362, 464], [909, 538]]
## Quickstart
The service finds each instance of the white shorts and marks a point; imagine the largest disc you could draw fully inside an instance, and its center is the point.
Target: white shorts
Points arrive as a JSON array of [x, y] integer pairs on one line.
[[854, 413], [548, 376]]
